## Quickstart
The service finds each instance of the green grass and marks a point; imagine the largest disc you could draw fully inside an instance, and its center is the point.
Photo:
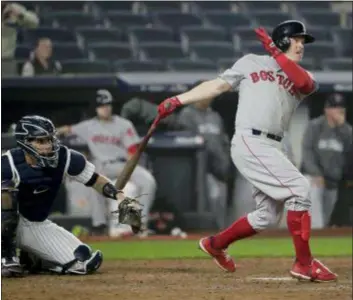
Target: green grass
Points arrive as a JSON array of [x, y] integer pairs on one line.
[[278, 247]]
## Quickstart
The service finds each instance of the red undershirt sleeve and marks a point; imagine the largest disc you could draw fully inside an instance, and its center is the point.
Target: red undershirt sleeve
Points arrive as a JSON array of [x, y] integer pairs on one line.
[[300, 77]]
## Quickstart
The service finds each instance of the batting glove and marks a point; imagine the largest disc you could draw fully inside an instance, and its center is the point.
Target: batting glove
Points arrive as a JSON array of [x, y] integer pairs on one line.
[[168, 106], [267, 42]]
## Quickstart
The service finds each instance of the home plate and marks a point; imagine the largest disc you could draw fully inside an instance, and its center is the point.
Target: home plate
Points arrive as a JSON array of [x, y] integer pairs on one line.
[[270, 278]]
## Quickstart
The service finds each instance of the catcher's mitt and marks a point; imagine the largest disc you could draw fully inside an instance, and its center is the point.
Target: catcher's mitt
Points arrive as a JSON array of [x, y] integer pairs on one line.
[[129, 211]]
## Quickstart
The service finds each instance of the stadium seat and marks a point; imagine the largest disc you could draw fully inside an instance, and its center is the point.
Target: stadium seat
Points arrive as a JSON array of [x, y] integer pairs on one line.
[[141, 35], [322, 18], [162, 6], [79, 6], [30, 36], [320, 50], [244, 34], [338, 64], [212, 6], [203, 34], [163, 51], [94, 35], [22, 52], [343, 38], [139, 66], [263, 5], [111, 51], [85, 67], [177, 20], [254, 47], [150, 30], [213, 51], [123, 6], [227, 19], [72, 19], [312, 5], [189, 65], [124, 20], [270, 18], [320, 33], [62, 51]]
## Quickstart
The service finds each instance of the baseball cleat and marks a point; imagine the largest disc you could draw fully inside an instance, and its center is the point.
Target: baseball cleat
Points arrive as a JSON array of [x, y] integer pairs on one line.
[[316, 272], [11, 267], [220, 256]]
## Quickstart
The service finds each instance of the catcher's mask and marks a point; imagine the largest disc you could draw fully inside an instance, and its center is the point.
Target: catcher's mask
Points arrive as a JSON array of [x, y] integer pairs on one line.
[[36, 135], [284, 31]]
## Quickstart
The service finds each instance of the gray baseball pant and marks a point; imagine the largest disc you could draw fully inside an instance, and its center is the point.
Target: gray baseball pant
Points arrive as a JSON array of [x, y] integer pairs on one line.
[[141, 178]]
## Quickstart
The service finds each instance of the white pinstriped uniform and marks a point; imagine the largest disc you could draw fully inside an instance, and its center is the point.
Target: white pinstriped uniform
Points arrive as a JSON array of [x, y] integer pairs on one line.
[[45, 239]]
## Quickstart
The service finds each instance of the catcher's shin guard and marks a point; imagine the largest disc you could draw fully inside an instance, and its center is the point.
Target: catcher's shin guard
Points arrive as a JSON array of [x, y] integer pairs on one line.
[[86, 262], [89, 266], [10, 265]]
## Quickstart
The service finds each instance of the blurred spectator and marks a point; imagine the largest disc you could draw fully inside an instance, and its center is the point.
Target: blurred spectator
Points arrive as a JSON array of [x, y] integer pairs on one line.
[[14, 16], [200, 118], [40, 61], [343, 212], [326, 140]]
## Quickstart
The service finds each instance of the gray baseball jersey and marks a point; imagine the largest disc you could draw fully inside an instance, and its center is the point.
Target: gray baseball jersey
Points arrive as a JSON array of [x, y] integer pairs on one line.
[[107, 140], [267, 101], [267, 98]]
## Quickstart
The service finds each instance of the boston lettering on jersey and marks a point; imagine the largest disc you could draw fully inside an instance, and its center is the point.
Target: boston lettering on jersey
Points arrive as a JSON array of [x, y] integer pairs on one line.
[[112, 140], [106, 139], [271, 76]]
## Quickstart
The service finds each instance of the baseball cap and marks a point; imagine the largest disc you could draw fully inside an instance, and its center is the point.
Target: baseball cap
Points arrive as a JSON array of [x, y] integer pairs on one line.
[[335, 100], [103, 97]]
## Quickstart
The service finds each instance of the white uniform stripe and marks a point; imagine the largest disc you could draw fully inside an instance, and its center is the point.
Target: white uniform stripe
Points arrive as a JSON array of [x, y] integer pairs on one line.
[[15, 175], [86, 173], [68, 159], [47, 240]]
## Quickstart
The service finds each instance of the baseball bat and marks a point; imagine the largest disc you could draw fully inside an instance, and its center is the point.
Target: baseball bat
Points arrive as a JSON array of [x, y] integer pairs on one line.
[[130, 165]]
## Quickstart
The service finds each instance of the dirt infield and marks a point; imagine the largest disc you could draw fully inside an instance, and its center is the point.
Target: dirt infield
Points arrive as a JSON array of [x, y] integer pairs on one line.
[[263, 279]]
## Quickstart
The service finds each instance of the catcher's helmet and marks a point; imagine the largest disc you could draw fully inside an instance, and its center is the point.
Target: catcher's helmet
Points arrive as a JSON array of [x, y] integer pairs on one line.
[[287, 29], [34, 127]]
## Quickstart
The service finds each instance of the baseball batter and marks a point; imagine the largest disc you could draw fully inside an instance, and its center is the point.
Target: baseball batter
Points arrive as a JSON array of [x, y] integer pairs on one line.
[[270, 88], [31, 176], [112, 140]]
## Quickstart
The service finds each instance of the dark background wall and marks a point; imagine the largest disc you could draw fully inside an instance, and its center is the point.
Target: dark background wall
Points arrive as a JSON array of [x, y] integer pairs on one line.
[[67, 105]]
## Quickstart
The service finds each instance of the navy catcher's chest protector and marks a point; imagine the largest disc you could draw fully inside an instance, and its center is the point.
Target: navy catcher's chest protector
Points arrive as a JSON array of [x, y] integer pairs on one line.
[[38, 186]]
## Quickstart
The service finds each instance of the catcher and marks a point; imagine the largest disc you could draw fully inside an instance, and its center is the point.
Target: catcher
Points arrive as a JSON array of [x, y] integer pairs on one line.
[[31, 177]]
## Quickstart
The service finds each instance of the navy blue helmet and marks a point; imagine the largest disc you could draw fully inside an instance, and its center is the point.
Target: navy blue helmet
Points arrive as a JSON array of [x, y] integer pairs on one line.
[[291, 28], [42, 131]]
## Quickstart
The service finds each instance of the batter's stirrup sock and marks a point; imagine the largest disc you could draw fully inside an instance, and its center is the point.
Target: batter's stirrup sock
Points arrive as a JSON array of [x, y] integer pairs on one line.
[[240, 229], [299, 226]]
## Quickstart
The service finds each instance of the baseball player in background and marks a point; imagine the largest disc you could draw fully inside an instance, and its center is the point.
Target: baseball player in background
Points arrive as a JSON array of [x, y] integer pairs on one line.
[[326, 140], [270, 88], [200, 118], [31, 176], [111, 140]]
